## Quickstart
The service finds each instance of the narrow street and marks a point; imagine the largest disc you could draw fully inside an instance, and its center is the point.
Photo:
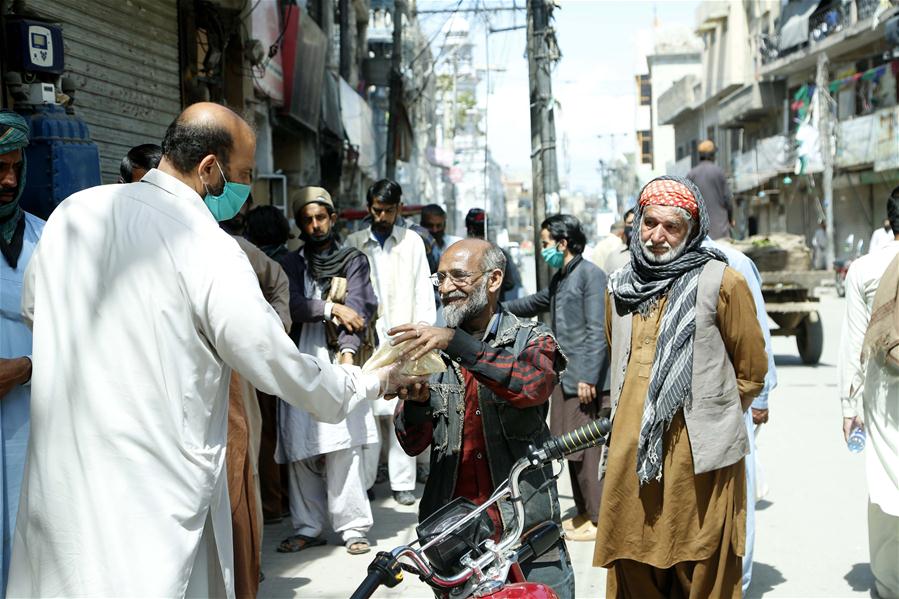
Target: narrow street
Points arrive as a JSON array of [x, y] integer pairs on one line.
[[811, 527], [207, 205]]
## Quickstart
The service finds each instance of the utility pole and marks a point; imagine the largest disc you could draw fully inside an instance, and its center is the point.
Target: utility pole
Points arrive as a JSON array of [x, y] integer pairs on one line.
[[396, 86], [545, 174], [605, 182], [346, 57], [825, 131]]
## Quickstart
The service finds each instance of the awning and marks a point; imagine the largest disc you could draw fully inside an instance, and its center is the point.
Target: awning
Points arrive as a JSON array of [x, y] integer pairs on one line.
[[305, 46], [794, 22], [331, 122], [358, 124]]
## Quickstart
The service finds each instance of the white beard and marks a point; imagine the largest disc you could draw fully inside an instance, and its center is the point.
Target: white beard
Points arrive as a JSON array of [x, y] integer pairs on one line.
[[458, 312], [670, 255]]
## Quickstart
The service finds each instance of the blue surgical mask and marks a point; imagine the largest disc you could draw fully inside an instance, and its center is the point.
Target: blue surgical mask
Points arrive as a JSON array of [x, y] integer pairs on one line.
[[553, 256], [228, 203]]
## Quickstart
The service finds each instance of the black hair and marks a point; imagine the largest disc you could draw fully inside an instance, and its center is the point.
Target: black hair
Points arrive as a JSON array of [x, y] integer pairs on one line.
[[433, 210], [565, 226], [710, 156], [893, 210], [629, 212], [474, 222], [298, 213], [145, 156], [386, 191], [186, 144], [267, 225]]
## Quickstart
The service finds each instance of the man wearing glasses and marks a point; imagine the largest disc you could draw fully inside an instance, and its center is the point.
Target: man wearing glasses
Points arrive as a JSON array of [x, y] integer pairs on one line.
[[479, 416]]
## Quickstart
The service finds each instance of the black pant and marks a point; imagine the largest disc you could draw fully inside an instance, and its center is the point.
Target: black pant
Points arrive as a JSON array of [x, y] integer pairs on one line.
[[556, 574], [566, 414], [586, 486]]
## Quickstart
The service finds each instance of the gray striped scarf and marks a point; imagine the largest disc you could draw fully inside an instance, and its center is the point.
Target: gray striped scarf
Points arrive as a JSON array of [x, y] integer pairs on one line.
[[638, 287]]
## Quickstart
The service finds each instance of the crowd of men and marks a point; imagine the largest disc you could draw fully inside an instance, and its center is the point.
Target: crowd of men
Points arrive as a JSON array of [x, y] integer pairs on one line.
[[171, 369]]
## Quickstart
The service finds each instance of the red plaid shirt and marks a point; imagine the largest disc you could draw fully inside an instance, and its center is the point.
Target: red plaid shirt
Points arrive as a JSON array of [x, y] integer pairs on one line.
[[523, 381]]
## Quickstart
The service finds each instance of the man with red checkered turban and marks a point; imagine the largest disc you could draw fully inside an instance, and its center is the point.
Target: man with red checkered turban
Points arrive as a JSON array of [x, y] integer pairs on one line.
[[687, 358]]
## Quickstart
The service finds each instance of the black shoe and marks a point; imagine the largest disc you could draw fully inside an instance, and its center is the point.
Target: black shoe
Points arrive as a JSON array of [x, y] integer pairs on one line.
[[371, 494], [404, 497]]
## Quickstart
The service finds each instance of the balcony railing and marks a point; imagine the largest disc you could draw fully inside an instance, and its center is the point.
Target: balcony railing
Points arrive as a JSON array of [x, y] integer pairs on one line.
[[828, 19], [768, 47], [864, 142], [866, 8], [825, 23], [770, 157]]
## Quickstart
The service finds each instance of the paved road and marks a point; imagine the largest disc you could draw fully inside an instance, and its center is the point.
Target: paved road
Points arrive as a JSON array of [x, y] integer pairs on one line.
[[811, 528]]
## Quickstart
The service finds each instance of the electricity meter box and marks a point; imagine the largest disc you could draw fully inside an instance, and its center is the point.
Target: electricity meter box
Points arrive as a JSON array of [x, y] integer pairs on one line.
[[34, 47], [61, 159]]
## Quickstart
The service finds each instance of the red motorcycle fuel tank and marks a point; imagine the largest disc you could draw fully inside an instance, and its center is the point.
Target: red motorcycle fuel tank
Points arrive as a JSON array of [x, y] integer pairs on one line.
[[523, 590]]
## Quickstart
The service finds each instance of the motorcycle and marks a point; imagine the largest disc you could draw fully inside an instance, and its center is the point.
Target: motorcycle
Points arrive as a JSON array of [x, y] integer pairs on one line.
[[841, 265], [456, 555]]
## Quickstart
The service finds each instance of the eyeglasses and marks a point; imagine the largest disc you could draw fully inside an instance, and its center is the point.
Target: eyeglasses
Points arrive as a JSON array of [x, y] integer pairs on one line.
[[456, 277]]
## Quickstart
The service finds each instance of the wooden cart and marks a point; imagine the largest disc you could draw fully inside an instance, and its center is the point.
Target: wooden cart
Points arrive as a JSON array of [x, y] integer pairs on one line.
[[791, 305]]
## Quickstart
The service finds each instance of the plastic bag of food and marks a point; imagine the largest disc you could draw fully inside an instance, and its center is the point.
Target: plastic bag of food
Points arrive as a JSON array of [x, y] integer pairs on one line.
[[387, 354]]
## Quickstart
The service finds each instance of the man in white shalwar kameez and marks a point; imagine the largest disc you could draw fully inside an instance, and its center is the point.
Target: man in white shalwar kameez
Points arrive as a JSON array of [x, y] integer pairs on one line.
[[19, 234], [400, 276], [757, 415], [870, 394], [140, 307]]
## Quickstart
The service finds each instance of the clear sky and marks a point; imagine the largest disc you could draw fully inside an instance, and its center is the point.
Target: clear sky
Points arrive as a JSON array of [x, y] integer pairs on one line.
[[593, 83]]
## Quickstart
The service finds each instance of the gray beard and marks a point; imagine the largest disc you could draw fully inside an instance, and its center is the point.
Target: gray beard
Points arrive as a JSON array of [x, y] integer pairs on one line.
[[670, 256], [457, 313]]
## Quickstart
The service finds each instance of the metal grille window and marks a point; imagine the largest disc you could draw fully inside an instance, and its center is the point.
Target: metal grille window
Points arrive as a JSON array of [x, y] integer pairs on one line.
[[644, 89], [644, 141]]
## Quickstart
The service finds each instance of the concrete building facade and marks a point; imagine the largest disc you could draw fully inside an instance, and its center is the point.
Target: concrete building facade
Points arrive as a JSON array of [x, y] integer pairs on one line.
[[763, 114]]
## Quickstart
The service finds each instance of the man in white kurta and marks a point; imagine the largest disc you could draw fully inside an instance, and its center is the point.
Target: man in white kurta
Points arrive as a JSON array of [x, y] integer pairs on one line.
[[400, 275], [141, 306], [872, 395], [19, 234], [880, 237], [758, 414]]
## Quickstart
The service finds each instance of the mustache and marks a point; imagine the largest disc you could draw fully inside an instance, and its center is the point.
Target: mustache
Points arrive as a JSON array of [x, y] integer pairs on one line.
[[664, 245], [452, 295]]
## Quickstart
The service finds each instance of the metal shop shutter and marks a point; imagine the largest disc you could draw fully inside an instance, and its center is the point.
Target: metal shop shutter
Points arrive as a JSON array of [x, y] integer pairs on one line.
[[124, 57]]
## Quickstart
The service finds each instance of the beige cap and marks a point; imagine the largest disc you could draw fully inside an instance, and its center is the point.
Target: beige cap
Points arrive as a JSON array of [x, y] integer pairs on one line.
[[310, 195], [706, 147]]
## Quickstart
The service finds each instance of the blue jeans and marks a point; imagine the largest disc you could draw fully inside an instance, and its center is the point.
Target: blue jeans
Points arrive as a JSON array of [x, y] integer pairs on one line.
[[557, 575]]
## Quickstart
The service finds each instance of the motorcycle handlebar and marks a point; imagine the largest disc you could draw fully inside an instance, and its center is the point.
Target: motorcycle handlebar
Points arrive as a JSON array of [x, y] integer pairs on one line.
[[368, 586], [384, 569], [581, 438]]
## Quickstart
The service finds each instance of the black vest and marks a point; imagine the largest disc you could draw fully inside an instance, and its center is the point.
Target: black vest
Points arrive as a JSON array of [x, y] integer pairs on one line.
[[507, 432]]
